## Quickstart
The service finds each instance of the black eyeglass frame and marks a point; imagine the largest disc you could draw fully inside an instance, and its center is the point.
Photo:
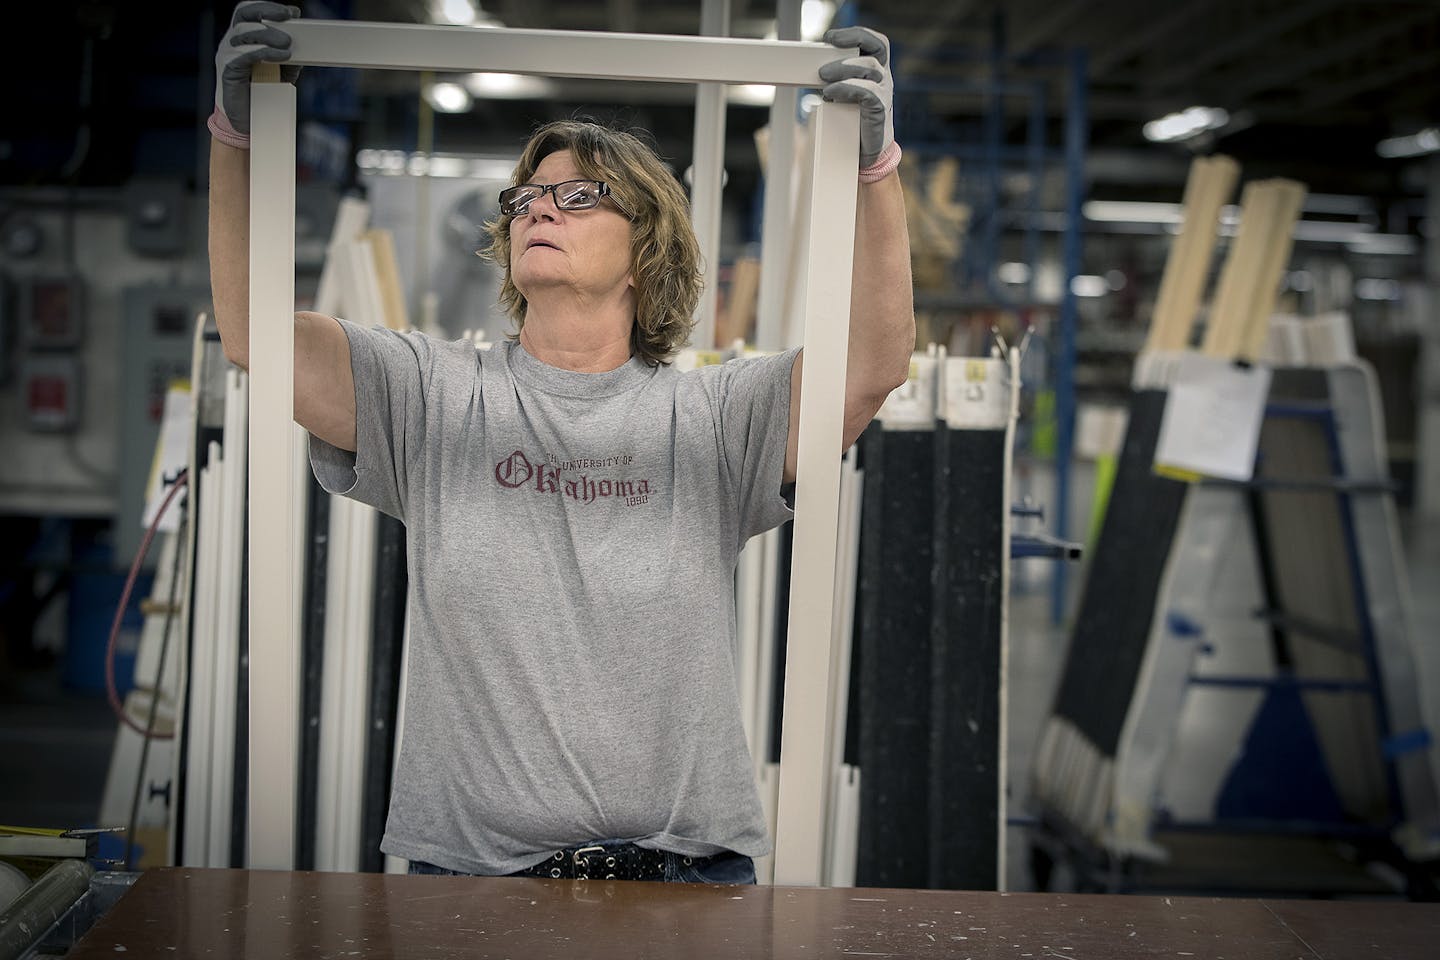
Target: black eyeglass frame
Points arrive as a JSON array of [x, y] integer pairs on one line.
[[602, 191]]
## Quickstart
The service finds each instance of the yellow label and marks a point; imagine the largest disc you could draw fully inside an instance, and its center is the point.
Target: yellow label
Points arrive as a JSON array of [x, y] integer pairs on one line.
[[1177, 473], [975, 370]]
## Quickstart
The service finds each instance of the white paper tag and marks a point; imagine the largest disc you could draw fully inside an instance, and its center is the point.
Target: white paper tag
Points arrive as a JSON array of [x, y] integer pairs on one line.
[[1212, 419], [977, 393]]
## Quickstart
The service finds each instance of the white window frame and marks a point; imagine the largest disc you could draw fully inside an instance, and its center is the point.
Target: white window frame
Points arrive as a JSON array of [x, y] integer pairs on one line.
[[823, 298]]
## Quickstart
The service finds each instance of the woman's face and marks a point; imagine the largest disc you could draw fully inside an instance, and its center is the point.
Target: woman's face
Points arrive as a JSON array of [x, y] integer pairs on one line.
[[576, 251]]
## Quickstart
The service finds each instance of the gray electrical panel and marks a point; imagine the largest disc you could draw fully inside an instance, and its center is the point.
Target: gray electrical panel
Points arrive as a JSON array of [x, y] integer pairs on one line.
[[159, 330]]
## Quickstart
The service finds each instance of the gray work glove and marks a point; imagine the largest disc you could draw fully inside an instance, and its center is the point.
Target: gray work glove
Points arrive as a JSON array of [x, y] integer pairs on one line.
[[246, 43], [864, 80]]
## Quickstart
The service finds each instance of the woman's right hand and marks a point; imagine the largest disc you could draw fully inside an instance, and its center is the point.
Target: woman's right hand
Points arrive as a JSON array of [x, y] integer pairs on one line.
[[246, 43]]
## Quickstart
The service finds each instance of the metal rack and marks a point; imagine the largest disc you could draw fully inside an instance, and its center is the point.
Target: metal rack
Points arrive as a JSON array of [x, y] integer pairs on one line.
[[1333, 778], [985, 150]]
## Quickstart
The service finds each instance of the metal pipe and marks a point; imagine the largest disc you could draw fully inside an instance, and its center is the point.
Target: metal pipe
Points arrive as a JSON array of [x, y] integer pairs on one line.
[[38, 909]]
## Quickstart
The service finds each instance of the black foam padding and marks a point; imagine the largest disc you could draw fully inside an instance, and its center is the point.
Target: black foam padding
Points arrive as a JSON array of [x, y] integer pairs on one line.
[[202, 438], [893, 657], [965, 659], [785, 549], [1112, 628], [387, 653], [240, 760], [312, 662]]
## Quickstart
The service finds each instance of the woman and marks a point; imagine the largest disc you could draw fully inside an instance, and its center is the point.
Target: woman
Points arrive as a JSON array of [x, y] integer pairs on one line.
[[574, 505]]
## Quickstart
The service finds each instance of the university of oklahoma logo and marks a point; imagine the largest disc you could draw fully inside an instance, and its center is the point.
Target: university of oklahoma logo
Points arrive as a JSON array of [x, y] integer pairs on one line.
[[514, 471], [560, 477]]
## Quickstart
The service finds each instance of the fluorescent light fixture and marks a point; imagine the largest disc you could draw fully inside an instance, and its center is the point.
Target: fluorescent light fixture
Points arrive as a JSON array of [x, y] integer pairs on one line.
[[1013, 272], [1188, 123], [751, 94], [1416, 144], [1373, 288], [1088, 285], [1384, 244], [448, 97], [1331, 231], [395, 163], [815, 17], [381, 161], [507, 86], [1131, 211], [422, 166]]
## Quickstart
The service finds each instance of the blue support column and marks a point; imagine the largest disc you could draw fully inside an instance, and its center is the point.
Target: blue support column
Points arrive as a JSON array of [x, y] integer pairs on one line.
[[1035, 164], [1076, 138]]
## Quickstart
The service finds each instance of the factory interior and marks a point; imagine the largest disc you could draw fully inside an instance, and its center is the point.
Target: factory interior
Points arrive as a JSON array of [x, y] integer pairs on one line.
[[1116, 632]]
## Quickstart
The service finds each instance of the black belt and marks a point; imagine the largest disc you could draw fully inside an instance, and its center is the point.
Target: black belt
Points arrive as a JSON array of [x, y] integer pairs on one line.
[[596, 862]]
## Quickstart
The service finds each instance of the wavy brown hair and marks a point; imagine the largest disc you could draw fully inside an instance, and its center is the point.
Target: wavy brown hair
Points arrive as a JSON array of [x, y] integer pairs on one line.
[[664, 254]]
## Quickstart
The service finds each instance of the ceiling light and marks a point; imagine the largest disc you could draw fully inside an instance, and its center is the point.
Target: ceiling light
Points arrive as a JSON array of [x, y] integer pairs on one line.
[[507, 86], [448, 97], [1013, 272], [751, 94], [815, 17], [1185, 124], [1416, 144], [1088, 285], [455, 12]]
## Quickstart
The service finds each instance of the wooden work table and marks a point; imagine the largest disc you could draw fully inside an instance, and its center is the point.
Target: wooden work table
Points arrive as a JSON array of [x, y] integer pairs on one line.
[[275, 915]]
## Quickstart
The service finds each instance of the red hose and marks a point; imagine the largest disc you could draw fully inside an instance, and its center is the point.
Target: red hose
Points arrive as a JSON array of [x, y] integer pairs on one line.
[[115, 704]]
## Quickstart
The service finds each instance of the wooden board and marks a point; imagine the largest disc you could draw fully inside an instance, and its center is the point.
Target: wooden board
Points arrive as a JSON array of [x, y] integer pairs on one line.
[[278, 915]]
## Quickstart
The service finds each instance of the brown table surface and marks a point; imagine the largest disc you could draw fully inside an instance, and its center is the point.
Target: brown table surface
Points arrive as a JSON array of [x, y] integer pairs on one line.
[[277, 915]]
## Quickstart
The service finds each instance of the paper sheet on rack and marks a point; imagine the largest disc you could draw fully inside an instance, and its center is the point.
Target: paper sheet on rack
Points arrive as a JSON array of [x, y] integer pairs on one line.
[[172, 454], [1212, 419]]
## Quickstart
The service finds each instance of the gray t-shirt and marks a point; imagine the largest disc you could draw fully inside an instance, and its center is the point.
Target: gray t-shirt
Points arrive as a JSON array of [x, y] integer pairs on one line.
[[572, 541]]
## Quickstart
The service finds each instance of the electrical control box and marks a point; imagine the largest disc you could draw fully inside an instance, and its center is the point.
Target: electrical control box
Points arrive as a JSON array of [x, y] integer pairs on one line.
[[50, 392], [157, 338], [50, 312], [156, 217]]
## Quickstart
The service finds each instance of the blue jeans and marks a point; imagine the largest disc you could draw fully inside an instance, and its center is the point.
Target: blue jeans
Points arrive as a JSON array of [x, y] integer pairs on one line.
[[722, 868]]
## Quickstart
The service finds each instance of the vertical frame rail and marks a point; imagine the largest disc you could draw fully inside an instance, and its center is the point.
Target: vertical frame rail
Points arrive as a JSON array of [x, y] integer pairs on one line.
[[804, 735], [775, 238], [707, 178], [274, 644]]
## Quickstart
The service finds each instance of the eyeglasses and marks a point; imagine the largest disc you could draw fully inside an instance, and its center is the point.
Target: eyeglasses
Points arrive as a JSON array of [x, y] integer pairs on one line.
[[570, 195]]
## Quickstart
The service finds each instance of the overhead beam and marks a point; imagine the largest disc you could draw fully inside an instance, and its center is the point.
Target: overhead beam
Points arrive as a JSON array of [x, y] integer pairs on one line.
[[1267, 29], [1042, 30], [938, 31], [1284, 70], [1144, 37], [1371, 80]]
